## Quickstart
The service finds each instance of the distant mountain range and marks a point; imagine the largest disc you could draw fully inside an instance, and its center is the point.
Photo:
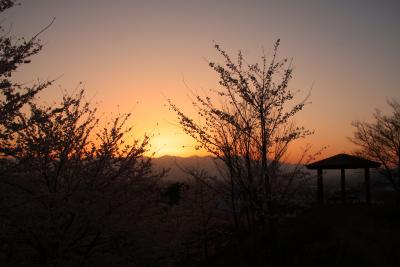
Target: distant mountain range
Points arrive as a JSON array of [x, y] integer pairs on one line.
[[177, 165]]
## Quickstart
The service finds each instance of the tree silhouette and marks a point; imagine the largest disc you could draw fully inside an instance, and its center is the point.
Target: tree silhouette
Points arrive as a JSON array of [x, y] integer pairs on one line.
[[248, 125], [380, 141], [82, 186], [13, 96]]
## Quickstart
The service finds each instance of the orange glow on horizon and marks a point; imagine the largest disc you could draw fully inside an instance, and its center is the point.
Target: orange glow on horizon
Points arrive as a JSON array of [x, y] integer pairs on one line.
[[174, 145]]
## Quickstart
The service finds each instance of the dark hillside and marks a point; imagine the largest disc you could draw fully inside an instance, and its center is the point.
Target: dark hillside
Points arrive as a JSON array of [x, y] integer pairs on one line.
[[329, 236]]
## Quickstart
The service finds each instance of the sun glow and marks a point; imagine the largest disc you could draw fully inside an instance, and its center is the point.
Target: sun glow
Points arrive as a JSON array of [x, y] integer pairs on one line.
[[174, 145]]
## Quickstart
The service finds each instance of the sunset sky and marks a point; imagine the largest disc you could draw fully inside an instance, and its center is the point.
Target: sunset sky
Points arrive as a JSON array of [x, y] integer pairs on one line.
[[132, 55]]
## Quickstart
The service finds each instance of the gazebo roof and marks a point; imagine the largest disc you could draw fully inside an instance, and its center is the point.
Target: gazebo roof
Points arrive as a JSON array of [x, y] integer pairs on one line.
[[343, 161]]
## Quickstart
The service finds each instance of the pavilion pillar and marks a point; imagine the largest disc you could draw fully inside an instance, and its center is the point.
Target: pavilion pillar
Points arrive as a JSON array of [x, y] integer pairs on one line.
[[367, 186], [343, 184], [320, 184]]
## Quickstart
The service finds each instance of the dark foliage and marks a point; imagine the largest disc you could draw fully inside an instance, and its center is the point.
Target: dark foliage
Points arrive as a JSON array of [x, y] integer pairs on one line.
[[15, 52], [80, 187], [380, 141]]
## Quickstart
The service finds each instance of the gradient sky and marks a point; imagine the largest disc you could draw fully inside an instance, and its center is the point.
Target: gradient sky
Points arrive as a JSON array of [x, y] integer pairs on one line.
[[132, 55]]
